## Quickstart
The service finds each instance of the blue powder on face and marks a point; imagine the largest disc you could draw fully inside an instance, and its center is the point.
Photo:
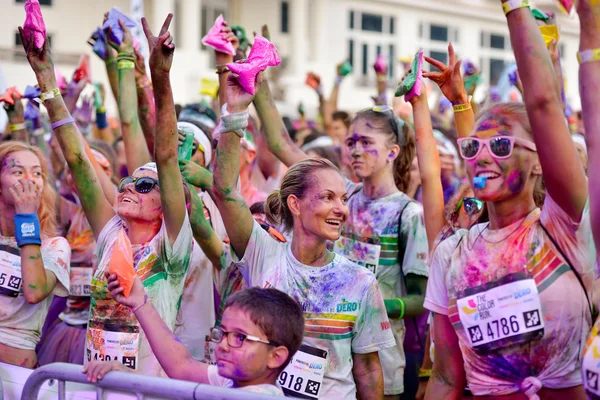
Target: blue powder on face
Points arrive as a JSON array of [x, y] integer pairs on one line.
[[479, 182]]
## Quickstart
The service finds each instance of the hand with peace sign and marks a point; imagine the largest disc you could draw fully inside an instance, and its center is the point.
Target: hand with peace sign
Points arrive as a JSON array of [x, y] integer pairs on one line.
[[449, 79], [161, 47]]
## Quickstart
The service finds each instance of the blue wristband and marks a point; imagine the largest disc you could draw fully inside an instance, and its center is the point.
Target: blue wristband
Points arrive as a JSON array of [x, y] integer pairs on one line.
[[27, 229], [101, 121]]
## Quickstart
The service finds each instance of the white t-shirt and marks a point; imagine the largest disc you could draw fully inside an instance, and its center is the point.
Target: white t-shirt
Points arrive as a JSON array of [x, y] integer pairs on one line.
[[370, 238], [214, 379], [20, 322], [197, 312], [343, 308], [161, 268], [483, 257]]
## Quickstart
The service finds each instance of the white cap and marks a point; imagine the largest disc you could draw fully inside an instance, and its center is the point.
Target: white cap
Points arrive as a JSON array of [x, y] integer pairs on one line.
[[151, 166]]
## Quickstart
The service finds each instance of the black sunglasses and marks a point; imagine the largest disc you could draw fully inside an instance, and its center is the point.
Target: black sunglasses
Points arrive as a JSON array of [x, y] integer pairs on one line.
[[142, 185]]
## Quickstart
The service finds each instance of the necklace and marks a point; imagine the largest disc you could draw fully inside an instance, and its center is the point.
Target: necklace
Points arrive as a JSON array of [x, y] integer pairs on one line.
[[501, 240]]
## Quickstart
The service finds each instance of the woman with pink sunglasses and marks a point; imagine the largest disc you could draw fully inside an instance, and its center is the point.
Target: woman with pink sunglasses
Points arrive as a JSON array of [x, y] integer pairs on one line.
[[498, 291]]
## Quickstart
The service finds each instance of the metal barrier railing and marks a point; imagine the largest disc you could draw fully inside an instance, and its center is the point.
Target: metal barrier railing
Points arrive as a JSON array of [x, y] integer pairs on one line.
[[140, 385]]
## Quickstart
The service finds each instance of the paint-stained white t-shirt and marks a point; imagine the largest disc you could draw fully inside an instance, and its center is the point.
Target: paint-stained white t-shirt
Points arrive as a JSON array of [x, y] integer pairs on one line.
[[343, 308], [20, 322], [477, 262]]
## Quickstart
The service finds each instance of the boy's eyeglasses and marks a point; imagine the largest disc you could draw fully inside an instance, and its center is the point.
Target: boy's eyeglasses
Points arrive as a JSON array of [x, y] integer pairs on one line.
[[235, 339], [472, 205], [500, 146], [142, 185]]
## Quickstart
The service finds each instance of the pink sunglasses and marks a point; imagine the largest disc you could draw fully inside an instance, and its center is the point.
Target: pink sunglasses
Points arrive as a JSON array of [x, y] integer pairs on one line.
[[499, 146]]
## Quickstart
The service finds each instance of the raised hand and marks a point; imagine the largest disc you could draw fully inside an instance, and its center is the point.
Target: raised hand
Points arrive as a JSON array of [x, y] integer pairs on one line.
[[126, 45], [140, 64], [161, 46], [449, 79], [227, 34], [238, 99], [40, 61]]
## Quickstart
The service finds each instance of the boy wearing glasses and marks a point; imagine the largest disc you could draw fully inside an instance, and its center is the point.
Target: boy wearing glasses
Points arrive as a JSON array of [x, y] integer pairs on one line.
[[260, 331]]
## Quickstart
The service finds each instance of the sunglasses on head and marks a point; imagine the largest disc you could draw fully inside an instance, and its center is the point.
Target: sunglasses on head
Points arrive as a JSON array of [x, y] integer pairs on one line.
[[472, 205], [395, 122], [499, 146], [141, 185]]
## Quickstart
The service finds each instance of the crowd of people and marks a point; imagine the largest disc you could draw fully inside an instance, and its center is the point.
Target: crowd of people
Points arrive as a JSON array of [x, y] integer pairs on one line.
[[409, 250]]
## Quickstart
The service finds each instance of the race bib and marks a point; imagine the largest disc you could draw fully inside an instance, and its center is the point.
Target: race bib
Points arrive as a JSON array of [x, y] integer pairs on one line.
[[80, 281], [364, 254], [590, 365], [10, 271], [113, 346], [209, 351], [303, 377], [502, 314]]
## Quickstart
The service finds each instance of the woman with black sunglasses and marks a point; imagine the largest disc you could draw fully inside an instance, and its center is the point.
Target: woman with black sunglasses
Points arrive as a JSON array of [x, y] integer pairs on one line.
[[151, 209], [498, 290]]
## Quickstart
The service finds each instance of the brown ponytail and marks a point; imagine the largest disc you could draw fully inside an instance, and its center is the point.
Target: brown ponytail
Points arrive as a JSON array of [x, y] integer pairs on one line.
[[297, 180], [403, 162]]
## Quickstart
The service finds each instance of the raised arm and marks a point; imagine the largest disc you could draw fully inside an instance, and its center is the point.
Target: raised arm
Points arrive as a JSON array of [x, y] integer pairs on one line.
[[278, 138], [97, 209], [172, 355], [196, 175], [204, 234], [589, 78], [222, 60], [236, 215], [103, 131], [136, 149], [451, 83], [145, 99], [165, 151], [429, 168], [16, 119], [563, 173]]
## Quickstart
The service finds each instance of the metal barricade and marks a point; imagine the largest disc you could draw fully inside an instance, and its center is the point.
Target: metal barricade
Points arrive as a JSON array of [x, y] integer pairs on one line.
[[140, 385]]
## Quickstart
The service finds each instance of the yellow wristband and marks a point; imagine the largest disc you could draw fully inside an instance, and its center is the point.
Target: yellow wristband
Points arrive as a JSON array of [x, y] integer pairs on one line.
[[587, 56], [461, 107], [50, 94], [125, 65], [17, 127], [424, 373], [512, 5]]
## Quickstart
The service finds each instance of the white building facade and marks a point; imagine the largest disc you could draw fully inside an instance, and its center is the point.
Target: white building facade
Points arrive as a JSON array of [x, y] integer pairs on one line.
[[311, 35]]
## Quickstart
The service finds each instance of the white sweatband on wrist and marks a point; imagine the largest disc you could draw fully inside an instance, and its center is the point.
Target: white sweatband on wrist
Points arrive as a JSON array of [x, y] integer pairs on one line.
[[236, 122]]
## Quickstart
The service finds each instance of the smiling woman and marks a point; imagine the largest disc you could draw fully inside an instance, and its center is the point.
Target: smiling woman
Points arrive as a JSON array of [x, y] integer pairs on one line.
[[312, 205], [151, 221]]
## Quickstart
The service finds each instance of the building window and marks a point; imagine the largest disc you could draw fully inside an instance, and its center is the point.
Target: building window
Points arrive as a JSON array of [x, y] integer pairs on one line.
[[438, 33], [378, 50], [497, 41], [42, 2], [365, 59], [496, 68], [203, 23], [392, 21], [440, 56], [285, 17], [372, 22], [351, 52], [391, 61], [351, 20]]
